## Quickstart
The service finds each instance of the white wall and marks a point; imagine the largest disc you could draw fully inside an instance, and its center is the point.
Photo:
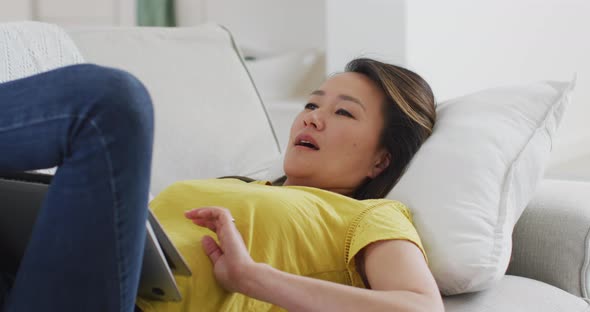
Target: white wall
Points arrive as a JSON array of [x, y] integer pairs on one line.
[[191, 12], [369, 28], [15, 10], [461, 46], [271, 26], [71, 12]]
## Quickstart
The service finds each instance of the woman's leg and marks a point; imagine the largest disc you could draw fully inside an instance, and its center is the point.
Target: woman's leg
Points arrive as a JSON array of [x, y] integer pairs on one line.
[[96, 124]]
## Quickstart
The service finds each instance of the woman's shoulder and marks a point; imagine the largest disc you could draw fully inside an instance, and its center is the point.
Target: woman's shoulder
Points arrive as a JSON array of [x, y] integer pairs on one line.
[[386, 213], [383, 203], [381, 220]]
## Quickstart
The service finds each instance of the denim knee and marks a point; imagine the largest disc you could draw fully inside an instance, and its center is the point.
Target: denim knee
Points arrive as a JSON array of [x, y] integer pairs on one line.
[[118, 92], [120, 100]]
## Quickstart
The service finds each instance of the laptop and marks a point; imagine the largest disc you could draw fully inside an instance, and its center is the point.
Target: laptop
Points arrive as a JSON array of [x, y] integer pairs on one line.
[[21, 196]]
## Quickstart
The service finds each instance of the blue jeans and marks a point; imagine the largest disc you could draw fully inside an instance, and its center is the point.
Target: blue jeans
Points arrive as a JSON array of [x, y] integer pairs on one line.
[[86, 248]]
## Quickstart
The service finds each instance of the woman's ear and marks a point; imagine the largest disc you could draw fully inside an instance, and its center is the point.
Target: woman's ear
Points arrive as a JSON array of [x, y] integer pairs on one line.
[[382, 162]]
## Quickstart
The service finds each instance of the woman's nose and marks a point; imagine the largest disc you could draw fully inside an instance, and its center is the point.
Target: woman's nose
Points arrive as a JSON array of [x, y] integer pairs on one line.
[[313, 119]]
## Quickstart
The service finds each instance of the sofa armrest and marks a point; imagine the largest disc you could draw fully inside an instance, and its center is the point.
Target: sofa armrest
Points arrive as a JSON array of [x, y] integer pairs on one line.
[[551, 239]]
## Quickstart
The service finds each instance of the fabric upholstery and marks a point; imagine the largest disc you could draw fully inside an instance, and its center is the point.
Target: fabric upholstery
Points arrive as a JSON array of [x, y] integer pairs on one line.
[[517, 294], [551, 239], [209, 120]]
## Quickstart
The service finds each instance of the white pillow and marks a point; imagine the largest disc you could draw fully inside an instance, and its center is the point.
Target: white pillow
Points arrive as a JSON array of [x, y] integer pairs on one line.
[[471, 180], [209, 120]]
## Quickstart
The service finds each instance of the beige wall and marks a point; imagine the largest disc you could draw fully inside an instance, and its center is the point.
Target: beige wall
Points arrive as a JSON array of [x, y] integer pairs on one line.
[[272, 26], [15, 10], [70, 12]]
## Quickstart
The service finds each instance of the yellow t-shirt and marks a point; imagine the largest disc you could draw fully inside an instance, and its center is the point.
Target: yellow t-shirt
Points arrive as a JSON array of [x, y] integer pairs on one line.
[[300, 230]]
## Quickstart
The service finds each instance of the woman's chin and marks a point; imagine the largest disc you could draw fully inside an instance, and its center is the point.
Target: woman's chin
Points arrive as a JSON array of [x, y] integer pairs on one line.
[[297, 170]]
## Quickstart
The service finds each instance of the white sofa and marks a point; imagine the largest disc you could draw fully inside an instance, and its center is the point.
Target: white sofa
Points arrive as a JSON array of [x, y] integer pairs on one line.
[[210, 122]]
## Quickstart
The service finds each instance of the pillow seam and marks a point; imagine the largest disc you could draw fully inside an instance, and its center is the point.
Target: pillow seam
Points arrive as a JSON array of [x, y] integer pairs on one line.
[[508, 180]]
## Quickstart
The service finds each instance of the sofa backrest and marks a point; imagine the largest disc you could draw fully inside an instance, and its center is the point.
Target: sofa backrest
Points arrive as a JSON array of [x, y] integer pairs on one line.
[[209, 119]]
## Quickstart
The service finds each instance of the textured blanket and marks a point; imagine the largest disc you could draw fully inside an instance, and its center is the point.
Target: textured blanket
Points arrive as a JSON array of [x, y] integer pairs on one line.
[[28, 48]]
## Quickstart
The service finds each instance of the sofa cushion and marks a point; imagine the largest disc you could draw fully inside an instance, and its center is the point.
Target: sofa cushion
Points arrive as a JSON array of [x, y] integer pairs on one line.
[[552, 238], [517, 294], [209, 120]]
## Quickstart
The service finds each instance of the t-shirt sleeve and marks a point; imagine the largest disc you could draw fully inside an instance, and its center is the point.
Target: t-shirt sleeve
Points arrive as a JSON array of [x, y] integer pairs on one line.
[[386, 221]]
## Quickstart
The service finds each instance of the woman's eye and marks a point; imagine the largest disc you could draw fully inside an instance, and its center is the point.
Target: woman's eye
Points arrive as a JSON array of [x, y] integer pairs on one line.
[[344, 112], [310, 106]]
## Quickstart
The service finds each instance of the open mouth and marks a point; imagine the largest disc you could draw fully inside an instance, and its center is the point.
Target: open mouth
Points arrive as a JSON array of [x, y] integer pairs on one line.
[[307, 144]]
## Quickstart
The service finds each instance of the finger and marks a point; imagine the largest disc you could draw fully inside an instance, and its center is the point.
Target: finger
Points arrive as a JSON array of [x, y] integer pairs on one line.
[[230, 239], [211, 212], [211, 248], [210, 224], [202, 212], [205, 217], [220, 221]]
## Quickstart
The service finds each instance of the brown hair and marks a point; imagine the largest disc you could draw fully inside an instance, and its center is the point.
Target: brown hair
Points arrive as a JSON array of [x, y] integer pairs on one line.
[[409, 115]]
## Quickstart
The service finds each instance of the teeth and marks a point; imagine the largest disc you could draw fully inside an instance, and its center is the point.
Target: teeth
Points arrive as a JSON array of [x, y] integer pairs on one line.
[[307, 143]]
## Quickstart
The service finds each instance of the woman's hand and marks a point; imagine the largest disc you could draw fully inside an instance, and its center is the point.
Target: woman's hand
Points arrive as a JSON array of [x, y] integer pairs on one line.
[[231, 260], [410, 287]]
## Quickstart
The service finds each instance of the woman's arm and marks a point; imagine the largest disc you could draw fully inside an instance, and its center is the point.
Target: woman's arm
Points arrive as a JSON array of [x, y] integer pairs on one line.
[[396, 270]]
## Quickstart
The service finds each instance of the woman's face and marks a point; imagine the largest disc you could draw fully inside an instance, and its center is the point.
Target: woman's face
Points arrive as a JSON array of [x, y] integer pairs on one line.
[[334, 141]]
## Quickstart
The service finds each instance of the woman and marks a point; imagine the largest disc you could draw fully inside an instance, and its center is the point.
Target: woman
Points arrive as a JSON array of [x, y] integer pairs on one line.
[[302, 245]]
